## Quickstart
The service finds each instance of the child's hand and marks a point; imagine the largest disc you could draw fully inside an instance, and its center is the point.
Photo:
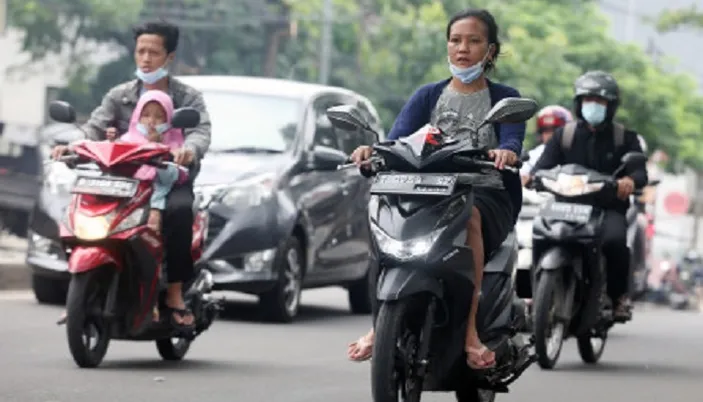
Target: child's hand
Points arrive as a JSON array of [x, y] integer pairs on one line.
[[111, 133]]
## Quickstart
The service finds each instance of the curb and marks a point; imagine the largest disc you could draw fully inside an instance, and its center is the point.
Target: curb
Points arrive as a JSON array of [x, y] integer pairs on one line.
[[15, 276]]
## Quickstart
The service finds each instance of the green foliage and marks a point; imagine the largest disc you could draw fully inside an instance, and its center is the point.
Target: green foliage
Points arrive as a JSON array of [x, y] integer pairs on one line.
[[386, 49]]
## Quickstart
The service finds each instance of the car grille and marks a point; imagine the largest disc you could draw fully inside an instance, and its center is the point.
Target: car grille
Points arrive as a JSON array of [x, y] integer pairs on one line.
[[217, 223]]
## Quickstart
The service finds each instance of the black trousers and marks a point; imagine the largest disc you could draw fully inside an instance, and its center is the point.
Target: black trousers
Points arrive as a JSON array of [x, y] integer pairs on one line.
[[616, 253], [177, 222]]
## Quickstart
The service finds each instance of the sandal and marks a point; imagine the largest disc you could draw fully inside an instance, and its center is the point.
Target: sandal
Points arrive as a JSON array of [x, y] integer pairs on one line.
[[182, 313], [475, 358], [360, 350], [62, 320]]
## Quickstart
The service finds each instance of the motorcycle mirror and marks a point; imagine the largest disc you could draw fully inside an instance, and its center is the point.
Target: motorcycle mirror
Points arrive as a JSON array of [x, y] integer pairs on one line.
[[632, 159], [62, 112], [347, 118], [511, 110], [525, 156], [185, 117]]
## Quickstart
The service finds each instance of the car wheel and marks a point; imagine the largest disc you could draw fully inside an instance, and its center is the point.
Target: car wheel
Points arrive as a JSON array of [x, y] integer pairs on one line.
[[281, 303], [49, 291], [360, 293]]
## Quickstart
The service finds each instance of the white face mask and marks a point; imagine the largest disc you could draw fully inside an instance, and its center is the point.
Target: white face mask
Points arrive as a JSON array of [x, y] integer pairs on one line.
[[593, 112]]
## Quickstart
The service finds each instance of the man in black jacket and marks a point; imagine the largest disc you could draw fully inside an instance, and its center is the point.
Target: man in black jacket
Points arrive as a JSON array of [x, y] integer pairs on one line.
[[596, 142]]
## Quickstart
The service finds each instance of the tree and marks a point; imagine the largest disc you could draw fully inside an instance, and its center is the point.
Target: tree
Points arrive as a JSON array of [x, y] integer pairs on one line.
[[671, 20]]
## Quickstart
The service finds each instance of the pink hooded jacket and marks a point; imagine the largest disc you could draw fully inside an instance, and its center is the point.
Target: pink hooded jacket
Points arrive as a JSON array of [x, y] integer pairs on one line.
[[173, 137]]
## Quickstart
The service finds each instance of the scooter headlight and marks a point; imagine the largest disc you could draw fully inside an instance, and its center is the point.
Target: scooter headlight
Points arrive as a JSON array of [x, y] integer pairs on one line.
[[404, 250], [91, 227]]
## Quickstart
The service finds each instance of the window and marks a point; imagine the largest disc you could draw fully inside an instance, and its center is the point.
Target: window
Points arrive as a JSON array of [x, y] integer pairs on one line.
[[247, 120]]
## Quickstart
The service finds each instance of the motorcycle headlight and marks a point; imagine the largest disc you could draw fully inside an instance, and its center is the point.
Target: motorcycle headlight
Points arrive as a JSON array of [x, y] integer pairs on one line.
[[91, 227], [247, 193], [407, 249], [58, 178], [571, 185]]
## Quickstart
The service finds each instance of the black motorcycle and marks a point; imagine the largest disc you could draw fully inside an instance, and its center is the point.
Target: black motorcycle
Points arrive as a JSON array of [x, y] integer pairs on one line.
[[421, 199], [569, 278]]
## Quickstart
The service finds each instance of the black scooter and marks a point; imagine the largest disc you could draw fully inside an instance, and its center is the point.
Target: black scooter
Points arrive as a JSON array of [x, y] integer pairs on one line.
[[421, 200], [569, 277]]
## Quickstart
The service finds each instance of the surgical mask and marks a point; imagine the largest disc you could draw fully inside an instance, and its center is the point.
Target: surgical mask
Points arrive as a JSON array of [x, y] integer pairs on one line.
[[469, 74], [593, 113], [160, 128], [152, 77]]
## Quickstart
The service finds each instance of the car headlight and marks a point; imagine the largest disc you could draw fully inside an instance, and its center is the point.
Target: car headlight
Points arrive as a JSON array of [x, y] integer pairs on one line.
[[407, 249], [248, 193], [571, 185], [523, 230], [58, 178]]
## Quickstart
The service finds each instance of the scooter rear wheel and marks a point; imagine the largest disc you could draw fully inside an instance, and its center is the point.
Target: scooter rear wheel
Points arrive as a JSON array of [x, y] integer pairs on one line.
[[85, 297], [172, 351]]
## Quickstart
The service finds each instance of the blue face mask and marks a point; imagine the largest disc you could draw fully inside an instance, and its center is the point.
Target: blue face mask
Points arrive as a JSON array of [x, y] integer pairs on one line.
[[161, 128], [152, 77], [593, 113], [469, 74]]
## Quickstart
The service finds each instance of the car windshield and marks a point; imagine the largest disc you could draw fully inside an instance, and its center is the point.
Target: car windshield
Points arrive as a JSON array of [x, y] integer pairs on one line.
[[245, 122]]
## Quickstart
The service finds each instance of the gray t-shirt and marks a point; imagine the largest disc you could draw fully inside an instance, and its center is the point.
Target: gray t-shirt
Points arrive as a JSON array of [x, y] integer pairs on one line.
[[456, 113]]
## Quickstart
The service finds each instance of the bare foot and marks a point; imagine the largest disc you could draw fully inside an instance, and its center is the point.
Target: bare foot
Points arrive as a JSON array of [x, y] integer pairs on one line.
[[361, 349], [181, 315], [63, 318], [154, 221]]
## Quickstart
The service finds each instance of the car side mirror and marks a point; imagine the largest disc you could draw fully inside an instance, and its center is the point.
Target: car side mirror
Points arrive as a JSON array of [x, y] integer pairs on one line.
[[62, 112], [326, 158], [185, 117]]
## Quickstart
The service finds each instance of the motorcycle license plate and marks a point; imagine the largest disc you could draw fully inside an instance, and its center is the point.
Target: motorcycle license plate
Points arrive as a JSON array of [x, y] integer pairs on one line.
[[120, 187], [563, 211], [413, 184]]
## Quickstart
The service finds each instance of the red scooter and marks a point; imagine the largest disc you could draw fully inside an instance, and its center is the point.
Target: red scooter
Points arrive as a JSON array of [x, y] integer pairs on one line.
[[115, 259]]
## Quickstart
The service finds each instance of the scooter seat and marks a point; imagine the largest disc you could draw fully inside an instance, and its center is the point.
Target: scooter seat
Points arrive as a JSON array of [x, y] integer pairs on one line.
[[502, 260]]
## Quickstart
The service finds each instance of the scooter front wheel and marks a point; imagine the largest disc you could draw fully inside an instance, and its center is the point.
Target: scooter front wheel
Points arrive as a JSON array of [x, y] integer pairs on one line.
[[396, 344], [87, 333]]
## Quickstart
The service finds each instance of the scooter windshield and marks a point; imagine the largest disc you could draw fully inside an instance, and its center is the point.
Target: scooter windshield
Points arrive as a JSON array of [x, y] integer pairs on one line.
[[427, 140]]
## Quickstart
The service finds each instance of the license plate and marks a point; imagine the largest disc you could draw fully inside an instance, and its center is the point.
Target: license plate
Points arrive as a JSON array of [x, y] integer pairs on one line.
[[563, 211], [107, 186], [413, 184]]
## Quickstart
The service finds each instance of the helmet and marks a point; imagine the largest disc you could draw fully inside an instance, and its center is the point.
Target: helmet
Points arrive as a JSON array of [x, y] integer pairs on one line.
[[600, 84], [552, 116]]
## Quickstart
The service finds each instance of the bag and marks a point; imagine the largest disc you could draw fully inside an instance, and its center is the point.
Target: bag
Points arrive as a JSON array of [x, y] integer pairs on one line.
[[567, 137]]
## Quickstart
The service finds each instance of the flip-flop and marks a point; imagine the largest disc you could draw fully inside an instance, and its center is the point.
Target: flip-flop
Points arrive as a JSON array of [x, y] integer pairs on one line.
[[472, 353], [63, 319], [361, 344], [183, 313]]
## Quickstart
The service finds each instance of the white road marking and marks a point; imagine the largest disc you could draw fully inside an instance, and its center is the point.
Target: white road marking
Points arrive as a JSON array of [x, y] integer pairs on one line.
[[16, 295]]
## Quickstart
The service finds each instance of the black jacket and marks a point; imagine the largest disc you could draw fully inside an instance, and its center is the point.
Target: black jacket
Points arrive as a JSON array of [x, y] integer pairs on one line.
[[594, 151]]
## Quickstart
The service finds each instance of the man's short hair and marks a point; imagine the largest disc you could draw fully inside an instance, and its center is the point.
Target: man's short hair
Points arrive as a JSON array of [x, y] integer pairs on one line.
[[169, 32]]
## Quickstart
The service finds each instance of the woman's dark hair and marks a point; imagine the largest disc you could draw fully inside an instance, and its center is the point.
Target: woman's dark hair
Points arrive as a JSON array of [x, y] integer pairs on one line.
[[166, 30], [491, 29]]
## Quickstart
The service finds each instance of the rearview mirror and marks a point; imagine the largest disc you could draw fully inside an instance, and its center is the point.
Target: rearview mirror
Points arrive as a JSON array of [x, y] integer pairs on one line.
[[511, 110], [62, 112], [525, 156], [347, 117], [185, 117], [326, 158], [633, 159]]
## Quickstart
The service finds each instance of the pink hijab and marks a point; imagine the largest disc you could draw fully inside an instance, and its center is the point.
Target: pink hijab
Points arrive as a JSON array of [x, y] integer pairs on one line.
[[173, 137]]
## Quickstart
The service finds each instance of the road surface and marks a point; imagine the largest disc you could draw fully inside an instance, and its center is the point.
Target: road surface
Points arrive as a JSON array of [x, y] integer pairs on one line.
[[658, 357]]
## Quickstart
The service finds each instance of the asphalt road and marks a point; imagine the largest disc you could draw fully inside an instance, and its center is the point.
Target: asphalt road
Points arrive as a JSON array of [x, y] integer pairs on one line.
[[657, 357]]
